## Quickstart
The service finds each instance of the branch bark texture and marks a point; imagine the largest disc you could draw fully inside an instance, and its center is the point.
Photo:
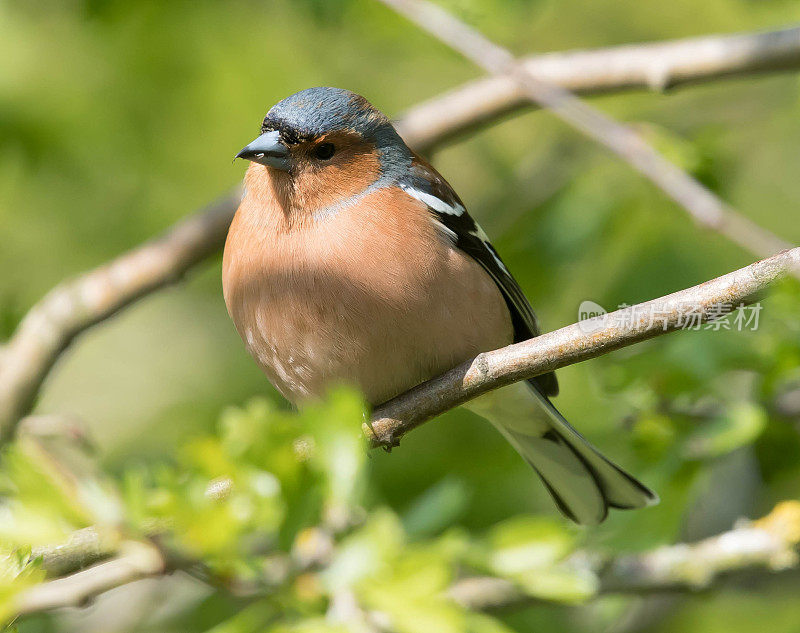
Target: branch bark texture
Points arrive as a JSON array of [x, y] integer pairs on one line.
[[135, 561], [573, 344]]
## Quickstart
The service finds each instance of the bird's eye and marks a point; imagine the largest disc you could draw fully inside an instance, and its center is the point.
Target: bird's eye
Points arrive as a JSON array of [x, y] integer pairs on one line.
[[324, 151]]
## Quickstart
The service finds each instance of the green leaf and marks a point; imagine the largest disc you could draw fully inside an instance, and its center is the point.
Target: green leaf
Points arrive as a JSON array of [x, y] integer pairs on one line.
[[252, 619], [436, 508], [524, 543], [311, 625], [339, 448], [561, 583], [45, 504], [17, 573], [482, 623], [364, 553]]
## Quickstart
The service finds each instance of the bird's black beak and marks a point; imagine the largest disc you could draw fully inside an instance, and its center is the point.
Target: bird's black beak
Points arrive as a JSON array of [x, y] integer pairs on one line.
[[267, 149]]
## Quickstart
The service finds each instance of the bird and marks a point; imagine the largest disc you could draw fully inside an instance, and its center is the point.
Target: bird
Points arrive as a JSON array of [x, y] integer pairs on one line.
[[350, 259]]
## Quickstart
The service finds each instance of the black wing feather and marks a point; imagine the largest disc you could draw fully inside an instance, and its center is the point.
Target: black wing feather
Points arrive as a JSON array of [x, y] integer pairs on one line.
[[449, 212]]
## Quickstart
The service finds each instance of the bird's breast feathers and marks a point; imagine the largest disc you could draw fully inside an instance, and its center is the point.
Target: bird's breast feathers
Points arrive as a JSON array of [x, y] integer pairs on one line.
[[376, 295]]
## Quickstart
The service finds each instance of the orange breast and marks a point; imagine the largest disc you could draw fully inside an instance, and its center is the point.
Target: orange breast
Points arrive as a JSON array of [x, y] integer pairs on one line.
[[373, 296]]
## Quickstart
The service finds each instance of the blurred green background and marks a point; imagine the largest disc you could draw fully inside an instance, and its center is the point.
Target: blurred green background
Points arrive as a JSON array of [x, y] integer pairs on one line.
[[118, 118]]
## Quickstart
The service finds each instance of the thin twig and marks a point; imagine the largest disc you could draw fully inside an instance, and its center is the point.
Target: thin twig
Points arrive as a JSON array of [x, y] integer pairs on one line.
[[654, 66], [73, 306], [573, 344], [136, 561], [769, 543], [83, 548], [702, 204]]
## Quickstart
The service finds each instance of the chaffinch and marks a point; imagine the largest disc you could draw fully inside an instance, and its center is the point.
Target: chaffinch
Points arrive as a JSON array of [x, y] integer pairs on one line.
[[352, 260]]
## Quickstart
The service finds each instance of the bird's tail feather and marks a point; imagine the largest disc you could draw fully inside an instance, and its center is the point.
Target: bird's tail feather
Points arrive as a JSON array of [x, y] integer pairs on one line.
[[583, 483]]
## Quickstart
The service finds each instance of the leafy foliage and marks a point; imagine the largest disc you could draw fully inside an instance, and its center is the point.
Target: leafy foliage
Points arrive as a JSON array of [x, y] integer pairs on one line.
[[277, 504]]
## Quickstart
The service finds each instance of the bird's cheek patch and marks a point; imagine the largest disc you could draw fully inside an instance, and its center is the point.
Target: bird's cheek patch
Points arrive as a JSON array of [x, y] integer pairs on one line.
[[343, 177]]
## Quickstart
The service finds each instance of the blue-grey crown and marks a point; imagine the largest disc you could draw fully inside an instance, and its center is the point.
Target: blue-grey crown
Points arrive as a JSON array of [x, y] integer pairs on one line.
[[317, 111]]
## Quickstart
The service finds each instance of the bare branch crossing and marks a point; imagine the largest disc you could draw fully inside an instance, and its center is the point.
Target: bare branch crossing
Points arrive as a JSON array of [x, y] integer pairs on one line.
[[652, 66], [572, 344], [700, 202]]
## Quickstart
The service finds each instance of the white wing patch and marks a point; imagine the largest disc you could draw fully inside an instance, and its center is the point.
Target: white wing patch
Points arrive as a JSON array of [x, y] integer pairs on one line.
[[453, 221], [433, 202], [481, 235], [453, 210]]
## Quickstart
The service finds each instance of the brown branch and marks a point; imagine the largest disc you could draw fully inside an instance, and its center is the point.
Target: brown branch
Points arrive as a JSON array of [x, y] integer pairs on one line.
[[74, 306], [136, 561], [83, 548], [654, 66], [702, 204], [573, 344]]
